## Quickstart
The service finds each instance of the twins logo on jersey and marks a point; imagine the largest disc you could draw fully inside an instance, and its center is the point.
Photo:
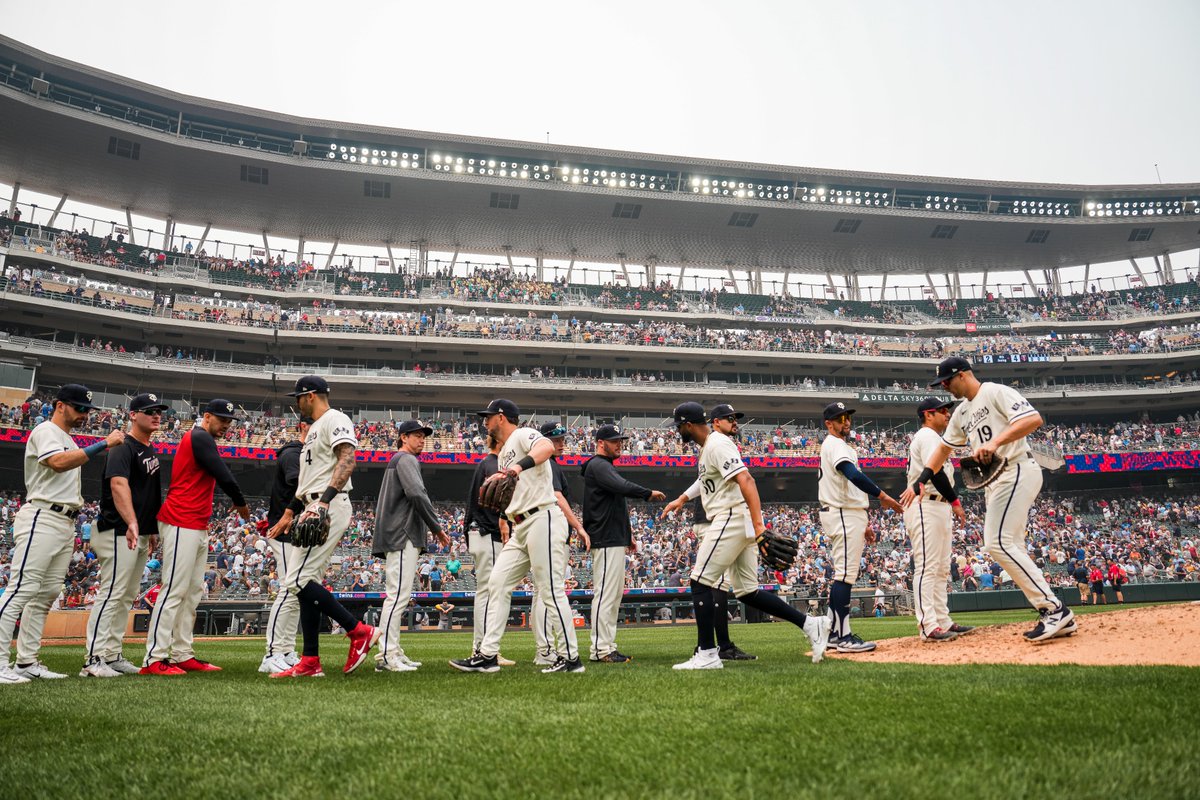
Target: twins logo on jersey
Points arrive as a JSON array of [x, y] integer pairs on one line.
[[150, 465]]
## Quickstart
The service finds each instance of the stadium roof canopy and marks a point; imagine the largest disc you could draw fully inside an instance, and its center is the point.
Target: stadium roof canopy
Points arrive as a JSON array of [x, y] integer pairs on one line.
[[104, 139]]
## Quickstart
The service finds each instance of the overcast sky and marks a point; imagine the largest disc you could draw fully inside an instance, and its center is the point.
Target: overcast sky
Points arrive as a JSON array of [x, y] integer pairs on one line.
[[1081, 92]]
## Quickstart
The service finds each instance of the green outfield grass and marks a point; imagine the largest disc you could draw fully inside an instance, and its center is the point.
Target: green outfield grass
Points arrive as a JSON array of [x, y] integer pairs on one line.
[[780, 727]]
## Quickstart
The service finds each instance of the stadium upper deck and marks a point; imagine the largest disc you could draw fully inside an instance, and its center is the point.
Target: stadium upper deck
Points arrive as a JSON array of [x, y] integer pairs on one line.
[[101, 138]]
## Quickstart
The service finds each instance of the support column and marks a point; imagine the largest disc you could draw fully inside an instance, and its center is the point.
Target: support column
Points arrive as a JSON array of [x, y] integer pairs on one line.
[[300, 245], [856, 292], [1087, 274], [540, 262], [129, 225], [57, 208], [624, 269], [786, 274], [957, 286], [983, 291], [571, 266], [932, 286], [732, 277], [453, 261], [391, 258], [12, 204], [1030, 281], [203, 238], [332, 253], [168, 234], [883, 288], [832, 287], [1137, 268], [266, 246], [1168, 272]]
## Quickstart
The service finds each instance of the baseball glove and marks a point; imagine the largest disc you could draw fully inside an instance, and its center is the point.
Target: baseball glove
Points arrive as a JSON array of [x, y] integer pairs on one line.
[[777, 551], [495, 494], [977, 475], [311, 528]]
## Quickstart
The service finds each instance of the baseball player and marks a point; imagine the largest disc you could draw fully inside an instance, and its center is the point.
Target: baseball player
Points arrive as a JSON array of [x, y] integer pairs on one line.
[[126, 534], [183, 530], [285, 610], [323, 487], [929, 525], [403, 515], [994, 420], [44, 529], [730, 499], [539, 533], [722, 418], [844, 493], [487, 532], [606, 515], [550, 647]]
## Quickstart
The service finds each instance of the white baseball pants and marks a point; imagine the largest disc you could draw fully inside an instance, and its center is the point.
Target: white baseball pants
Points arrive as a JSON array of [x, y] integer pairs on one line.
[[43, 542], [120, 578]]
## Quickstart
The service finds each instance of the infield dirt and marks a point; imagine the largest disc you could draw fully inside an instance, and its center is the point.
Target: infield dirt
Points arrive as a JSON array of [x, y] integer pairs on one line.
[[1160, 635]]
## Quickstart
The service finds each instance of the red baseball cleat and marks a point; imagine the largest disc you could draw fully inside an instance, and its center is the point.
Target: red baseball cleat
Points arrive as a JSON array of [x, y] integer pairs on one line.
[[161, 668], [306, 667], [194, 664], [362, 639]]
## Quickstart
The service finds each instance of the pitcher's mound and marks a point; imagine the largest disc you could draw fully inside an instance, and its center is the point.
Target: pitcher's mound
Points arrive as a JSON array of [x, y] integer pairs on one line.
[[1129, 637]]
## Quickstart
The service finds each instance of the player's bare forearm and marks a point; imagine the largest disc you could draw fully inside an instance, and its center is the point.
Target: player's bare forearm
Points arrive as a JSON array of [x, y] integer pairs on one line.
[[344, 453], [62, 462], [542, 451], [745, 482]]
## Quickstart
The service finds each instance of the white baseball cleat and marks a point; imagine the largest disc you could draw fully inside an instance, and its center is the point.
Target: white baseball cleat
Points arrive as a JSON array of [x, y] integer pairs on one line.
[[123, 666], [703, 659], [395, 665], [39, 671], [96, 668], [816, 628], [408, 662], [7, 676], [292, 658], [1052, 625], [275, 663], [545, 659]]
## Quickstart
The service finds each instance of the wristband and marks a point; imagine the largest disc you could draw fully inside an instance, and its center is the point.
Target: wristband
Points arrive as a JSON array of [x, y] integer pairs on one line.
[[956, 502], [96, 447], [527, 463], [296, 506], [328, 495]]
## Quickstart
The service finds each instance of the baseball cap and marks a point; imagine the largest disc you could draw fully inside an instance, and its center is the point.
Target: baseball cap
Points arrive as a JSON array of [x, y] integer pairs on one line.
[[724, 410], [147, 402], [308, 384], [76, 394], [553, 430], [948, 368], [413, 426], [688, 412], [220, 408], [500, 406], [933, 404], [835, 410], [610, 433]]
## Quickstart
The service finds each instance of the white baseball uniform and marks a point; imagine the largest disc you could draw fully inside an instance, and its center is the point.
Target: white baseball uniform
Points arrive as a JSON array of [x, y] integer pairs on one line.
[[1013, 493], [929, 523], [728, 546], [843, 512], [538, 540], [317, 460], [43, 540]]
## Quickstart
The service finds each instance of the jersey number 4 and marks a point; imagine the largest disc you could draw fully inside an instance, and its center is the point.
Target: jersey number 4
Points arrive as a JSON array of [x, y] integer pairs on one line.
[[308, 457]]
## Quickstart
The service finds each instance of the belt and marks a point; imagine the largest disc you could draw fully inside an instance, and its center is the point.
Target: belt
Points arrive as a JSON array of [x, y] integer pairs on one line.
[[317, 495], [517, 519], [937, 498], [59, 508]]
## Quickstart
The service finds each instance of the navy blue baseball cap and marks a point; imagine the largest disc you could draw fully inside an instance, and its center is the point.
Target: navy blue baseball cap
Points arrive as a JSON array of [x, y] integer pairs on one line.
[[220, 408], [310, 384], [553, 430], [76, 394], [610, 433], [933, 404], [413, 426], [688, 412], [948, 368], [724, 411], [500, 406], [147, 402], [835, 410]]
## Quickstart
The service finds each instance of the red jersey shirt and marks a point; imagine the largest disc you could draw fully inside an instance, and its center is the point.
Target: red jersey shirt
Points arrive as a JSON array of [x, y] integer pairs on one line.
[[194, 474]]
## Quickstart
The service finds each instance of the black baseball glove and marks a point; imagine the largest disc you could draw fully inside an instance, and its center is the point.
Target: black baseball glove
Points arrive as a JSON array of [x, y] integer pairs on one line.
[[777, 551], [311, 528], [977, 475], [496, 493]]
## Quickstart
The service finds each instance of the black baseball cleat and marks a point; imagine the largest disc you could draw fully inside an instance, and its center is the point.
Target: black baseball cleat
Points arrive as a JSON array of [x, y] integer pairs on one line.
[[735, 653], [476, 663], [562, 665], [615, 657], [961, 629]]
